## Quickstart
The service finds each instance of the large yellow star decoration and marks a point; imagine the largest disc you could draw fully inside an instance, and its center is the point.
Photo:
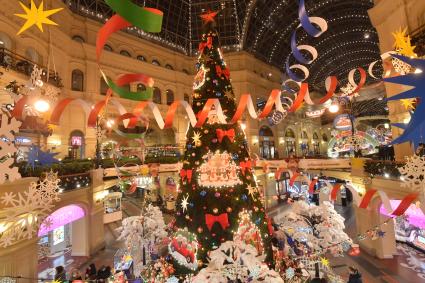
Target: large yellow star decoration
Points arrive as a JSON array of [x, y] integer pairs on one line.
[[36, 16], [408, 103], [324, 261]]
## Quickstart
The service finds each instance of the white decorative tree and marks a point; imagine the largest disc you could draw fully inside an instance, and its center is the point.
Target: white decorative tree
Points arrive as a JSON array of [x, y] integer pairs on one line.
[[321, 228], [236, 260], [144, 232]]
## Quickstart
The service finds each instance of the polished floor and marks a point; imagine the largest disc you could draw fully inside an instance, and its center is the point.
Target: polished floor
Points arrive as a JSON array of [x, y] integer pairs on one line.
[[408, 266]]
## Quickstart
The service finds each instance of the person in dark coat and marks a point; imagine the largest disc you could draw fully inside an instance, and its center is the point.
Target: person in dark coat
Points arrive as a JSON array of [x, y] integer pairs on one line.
[[60, 274], [355, 276], [91, 272]]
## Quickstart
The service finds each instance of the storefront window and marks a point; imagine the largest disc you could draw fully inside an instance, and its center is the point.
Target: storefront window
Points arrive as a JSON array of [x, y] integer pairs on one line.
[[76, 145], [267, 148], [290, 146]]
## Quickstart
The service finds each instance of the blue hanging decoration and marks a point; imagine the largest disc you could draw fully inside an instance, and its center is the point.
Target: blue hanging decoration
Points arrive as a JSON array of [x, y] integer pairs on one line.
[[44, 158], [203, 193], [276, 117], [244, 197], [414, 130]]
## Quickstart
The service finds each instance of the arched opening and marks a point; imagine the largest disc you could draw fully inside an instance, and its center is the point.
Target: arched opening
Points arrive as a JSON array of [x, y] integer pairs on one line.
[[125, 53], [141, 58], [78, 38], [103, 86], [304, 146], [290, 148], [168, 66], [141, 87], [316, 144], [325, 138], [77, 80], [267, 148], [32, 55], [108, 48], [155, 62], [76, 145], [169, 96], [65, 231], [156, 98]]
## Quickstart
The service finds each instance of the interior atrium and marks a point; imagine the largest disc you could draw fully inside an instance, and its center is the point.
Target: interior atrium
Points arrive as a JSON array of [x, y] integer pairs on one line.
[[212, 141]]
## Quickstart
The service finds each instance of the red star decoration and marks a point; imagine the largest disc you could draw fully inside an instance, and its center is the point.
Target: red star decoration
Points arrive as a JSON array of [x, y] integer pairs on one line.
[[208, 16]]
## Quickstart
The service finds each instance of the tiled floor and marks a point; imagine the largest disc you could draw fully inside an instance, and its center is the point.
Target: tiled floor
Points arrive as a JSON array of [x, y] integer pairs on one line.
[[406, 267]]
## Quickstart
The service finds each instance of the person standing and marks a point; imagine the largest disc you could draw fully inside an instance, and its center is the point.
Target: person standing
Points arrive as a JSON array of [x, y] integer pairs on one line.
[[60, 274], [355, 276], [91, 272]]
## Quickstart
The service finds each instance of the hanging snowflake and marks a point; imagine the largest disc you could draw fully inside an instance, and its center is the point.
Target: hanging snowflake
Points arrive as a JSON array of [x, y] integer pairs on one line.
[[348, 90], [413, 172], [400, 66], [8, 149], [25, 211], [290, 273]]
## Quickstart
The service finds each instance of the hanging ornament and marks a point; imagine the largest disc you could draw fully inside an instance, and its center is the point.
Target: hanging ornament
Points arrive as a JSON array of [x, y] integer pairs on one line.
[[197, 139], [184, 203], [215, 210], [413, 173]]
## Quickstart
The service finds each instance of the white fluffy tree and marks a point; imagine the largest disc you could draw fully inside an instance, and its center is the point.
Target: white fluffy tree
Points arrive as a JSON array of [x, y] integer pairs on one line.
[[236, 260], [321, 228], [147, 230]]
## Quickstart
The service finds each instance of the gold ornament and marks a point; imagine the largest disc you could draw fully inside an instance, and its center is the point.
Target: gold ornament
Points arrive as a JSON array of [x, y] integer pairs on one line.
[[197, 139], [408, 103], [215, 210]]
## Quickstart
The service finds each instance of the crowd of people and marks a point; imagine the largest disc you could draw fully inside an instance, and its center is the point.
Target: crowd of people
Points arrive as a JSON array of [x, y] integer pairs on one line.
[[92, 274]]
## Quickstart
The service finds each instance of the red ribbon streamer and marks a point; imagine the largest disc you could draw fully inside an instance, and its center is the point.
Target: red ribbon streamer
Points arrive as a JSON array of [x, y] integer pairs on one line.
[[367, 198], [311, 186], [186, 173], [404, 204], [293, 178], [335, 190], [224, 72], [222, 219], [223, 133], [18, 109], [208, 44]]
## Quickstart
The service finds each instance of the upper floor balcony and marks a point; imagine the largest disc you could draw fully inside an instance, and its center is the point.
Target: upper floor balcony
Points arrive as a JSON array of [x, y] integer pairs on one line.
[[10, 60]]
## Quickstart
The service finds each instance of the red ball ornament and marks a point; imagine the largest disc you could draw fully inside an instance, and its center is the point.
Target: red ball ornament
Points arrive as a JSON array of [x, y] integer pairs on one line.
[[204, 207], [217, 194], [200, 230], [214, 140], [213, 234], [229, 209]]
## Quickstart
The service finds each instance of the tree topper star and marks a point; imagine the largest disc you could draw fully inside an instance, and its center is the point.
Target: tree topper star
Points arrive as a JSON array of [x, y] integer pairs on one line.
[[185, 202], [208, 16], [36, 16], [408, 103]]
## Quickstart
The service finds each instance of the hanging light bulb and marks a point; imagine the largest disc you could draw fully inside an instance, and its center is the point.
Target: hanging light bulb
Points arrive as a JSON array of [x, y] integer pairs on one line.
[[41, 106], [334, 107]]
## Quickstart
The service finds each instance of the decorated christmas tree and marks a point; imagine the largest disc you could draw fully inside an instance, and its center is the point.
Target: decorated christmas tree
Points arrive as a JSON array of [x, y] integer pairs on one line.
[[218, 198]]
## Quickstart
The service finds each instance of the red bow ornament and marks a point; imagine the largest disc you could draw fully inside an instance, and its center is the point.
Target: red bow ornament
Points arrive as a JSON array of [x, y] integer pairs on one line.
[[208, 44], [223, 133], [224, 72], [245, 165], [186, 174], [222, 219]]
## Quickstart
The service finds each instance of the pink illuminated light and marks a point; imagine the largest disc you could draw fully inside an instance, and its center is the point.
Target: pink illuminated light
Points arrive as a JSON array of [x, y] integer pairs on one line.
[[414, 214], [60, 217]]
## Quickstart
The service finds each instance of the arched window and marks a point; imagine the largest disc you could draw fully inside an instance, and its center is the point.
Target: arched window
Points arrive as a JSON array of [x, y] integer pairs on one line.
[[316, 144], [103, 86], [185, 71], [168, 66], [325, 138], [315, 136], [170, 96], [78, 38], [267, 148], [108, 48], [141, 87], [76, 144], [155, 62], [304, 145], [77, 80], [156, 95], [5, 41], [125, 53], [32, 55], [141, 58], [186, 97], [304, 135]]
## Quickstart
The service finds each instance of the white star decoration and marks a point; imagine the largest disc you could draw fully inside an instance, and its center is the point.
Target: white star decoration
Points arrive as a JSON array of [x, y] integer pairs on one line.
[[197, 138], [252, 191], [185, 202]]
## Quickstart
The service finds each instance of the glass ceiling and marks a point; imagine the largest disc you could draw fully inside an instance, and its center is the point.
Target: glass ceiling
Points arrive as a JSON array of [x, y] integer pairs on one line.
[[263, 28]]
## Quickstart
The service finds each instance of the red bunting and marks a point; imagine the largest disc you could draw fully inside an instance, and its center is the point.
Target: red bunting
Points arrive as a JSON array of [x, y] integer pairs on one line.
[[222, 219], [334, 191], [223, 133], [367, 198], [404, 204]]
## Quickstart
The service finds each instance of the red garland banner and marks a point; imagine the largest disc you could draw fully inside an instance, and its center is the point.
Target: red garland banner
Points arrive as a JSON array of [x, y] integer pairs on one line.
[[361, 203]]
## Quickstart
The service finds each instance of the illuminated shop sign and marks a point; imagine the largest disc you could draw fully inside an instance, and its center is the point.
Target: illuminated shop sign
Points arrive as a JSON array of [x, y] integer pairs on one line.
[[60, 217]]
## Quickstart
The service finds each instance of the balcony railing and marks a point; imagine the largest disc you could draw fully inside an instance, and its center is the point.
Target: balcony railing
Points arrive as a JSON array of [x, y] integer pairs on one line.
[[383, 168], [12, 61]]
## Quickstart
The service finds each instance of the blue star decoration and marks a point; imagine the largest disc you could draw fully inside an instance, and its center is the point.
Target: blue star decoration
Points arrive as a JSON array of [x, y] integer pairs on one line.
[[414, 130], [44, 158], [381, 234], [290, 273]]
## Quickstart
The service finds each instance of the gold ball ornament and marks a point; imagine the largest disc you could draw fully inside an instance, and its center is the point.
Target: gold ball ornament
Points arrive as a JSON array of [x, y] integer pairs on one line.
[[229, 209], [215, 210], [200, 230]]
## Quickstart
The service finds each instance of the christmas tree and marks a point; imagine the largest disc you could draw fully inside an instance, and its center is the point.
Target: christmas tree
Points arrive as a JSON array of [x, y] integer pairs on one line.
[[218, 198]]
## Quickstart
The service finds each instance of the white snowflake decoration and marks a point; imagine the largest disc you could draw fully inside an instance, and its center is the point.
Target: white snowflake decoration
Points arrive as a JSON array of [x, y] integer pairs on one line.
[[413, 172], [25, 211], [8, 149], [400, 66], [354, 141]]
